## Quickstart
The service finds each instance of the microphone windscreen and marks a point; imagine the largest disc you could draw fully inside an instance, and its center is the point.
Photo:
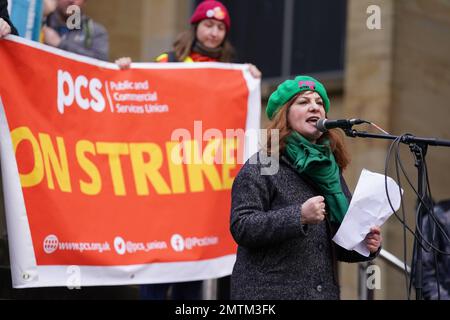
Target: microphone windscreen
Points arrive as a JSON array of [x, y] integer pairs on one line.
[[320, 125]]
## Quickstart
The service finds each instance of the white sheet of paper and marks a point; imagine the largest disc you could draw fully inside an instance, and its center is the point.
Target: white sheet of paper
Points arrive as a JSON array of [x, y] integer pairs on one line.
[[369, 207]]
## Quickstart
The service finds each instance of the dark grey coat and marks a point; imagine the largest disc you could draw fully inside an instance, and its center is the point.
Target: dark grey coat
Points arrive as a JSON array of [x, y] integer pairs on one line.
[[442, 262], [278, 257]]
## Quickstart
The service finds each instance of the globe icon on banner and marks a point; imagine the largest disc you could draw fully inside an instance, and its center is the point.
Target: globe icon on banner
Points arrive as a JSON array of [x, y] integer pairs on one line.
[[50, 243]]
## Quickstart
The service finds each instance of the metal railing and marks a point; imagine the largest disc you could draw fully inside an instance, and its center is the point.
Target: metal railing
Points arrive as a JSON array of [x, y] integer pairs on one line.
[[366, 293]]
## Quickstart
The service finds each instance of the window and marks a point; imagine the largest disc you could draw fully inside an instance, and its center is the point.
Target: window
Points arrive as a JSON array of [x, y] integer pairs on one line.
[[286, 37]]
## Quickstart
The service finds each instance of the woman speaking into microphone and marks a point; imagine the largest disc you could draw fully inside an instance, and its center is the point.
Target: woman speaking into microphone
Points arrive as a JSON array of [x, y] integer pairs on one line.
[[283, 222]]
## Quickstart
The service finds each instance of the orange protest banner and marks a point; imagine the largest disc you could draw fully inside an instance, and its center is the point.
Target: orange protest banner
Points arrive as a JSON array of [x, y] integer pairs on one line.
[[125, 174]]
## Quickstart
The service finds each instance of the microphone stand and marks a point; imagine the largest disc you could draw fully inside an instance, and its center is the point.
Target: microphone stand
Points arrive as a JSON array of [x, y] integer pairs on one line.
[[418, 147]]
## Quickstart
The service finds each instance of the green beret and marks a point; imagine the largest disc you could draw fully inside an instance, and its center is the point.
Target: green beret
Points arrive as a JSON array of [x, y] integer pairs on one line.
[[290, 88]]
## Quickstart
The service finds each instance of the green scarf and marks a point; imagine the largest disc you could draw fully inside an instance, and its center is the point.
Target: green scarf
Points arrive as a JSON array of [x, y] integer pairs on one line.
[[317, 162]]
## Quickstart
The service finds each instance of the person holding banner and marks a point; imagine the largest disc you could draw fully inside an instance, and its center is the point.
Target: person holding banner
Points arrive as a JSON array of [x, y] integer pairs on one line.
[[6, 26], [283, 220], [206, 40], [68, 30]]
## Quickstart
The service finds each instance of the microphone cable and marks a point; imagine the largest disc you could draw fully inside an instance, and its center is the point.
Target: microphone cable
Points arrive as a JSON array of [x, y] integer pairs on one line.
[[422, 207], [373, 124]]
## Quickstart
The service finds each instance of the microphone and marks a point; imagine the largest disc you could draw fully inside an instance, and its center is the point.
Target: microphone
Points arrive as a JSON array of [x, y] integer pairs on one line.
[[324, 124]]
